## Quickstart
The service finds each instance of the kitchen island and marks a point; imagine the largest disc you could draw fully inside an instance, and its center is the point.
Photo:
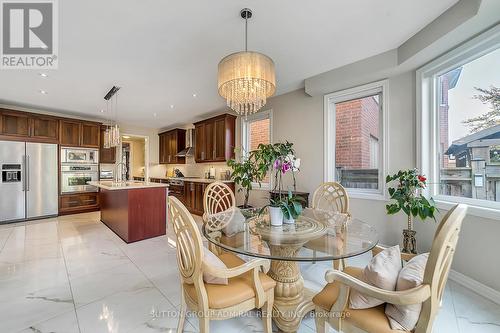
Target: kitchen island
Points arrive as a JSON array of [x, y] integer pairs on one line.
[[133, 210]]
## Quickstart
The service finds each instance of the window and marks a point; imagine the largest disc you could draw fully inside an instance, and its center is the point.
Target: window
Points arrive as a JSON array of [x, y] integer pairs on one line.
[[354, 139], [257, 129], [459, 123]]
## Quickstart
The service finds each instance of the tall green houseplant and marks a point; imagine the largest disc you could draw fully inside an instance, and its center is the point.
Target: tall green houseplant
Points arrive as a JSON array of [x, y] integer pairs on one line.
[[244, 174], [407, 196]]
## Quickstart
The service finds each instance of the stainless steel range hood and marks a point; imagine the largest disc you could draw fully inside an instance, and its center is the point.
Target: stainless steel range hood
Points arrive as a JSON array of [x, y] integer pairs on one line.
[[189, 150]]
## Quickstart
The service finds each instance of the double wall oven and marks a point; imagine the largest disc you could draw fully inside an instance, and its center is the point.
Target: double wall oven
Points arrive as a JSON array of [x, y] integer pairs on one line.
[[79, 166]]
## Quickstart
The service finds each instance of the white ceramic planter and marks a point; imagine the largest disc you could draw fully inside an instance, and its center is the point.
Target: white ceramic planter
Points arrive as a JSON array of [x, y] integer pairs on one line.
[[276, 216]]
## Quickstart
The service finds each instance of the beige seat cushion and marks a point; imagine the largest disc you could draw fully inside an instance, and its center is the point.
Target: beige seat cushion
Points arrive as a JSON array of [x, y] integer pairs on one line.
[[328, 296], [371, 320], [237, 290]]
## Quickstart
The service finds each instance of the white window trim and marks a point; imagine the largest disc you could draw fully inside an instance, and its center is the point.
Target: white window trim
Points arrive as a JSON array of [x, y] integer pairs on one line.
[[427, 126], [244, 136], [329, 138]]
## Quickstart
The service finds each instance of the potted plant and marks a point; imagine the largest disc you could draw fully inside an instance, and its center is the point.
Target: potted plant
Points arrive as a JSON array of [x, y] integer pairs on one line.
[[279, 159], [408, 197]]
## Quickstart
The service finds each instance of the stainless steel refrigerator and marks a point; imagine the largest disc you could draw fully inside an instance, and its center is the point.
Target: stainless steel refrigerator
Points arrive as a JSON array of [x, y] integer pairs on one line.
[[28, 188]]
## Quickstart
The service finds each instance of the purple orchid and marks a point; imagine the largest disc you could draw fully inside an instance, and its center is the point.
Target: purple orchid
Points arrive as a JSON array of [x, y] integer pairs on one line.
[[277, 164], [285, 167]]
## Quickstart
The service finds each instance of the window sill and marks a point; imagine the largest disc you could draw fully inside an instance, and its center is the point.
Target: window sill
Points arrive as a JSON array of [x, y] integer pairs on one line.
[[474, 210], [366, 195]]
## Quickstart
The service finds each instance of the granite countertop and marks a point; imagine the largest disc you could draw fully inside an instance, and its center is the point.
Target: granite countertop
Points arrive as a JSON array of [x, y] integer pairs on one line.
[[195, 179], [128, 185]]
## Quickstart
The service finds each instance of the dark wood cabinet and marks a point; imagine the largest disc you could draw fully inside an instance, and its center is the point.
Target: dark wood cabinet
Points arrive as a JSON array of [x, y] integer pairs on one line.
[[170, 144], [76, 133], [17, 125], [78, 203], [106, 155], [90, 133], [215, 139], [69, 133], [44, 128]]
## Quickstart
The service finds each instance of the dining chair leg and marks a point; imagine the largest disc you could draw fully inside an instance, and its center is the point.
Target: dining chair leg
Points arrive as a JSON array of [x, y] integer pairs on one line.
[[182, 318], [320, 323], [267, 315], [204, 324]]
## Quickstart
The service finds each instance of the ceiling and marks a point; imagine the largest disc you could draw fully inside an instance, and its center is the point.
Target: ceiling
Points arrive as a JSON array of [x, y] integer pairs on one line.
[[163, 52]]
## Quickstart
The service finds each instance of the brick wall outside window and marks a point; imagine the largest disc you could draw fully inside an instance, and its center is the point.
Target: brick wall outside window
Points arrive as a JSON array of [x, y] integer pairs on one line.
[[259, 133], [356, 122]]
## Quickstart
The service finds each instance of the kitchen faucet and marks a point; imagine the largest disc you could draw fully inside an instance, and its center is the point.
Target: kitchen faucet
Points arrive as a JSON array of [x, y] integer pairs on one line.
[[118, 177]]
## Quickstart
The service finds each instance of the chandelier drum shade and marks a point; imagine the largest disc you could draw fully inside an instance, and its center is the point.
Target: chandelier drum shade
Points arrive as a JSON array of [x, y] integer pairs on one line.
[[246, 79]]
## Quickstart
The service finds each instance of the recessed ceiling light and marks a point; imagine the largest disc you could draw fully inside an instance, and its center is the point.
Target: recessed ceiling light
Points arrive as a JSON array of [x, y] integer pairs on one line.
[[171, 106], [43, 92], [126, 137], [154, 114], [102, 110], [43, 74], [194, 95]]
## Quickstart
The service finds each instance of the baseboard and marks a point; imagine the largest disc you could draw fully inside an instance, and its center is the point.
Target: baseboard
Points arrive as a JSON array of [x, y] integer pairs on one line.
[[477, 287]]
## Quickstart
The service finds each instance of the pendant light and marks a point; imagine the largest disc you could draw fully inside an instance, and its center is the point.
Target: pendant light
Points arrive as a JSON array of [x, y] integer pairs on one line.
[[246, 79]]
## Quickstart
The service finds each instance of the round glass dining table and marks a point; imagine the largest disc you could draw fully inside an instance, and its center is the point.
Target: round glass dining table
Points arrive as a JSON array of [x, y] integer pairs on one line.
[[316, 235]]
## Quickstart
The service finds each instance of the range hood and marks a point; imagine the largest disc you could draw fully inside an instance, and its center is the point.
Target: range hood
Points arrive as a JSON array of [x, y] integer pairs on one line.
[[188, 151]]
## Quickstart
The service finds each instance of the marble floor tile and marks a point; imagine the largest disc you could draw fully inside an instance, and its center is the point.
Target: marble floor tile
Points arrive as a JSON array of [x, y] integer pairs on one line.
[[63, 323], [140, 310], [94, 286], [72, 274]]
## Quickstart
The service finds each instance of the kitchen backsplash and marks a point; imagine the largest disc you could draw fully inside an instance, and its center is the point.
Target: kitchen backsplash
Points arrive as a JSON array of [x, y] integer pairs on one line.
[[190, 169]]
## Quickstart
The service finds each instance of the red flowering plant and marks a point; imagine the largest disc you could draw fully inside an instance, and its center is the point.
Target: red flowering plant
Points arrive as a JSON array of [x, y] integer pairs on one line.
[[408, 196]]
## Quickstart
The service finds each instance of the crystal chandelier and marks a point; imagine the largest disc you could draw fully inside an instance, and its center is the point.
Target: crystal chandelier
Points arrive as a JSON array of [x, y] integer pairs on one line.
[[246, 79], [112, 132]]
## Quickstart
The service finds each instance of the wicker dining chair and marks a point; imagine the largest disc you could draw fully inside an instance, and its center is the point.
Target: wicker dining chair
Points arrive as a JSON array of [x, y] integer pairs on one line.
[[333, 300], [218, 197], [330, 196], [248, 287]]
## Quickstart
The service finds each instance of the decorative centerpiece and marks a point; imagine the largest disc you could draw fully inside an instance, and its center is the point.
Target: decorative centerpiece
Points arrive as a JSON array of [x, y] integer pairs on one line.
[[280, 160], [409, 199]]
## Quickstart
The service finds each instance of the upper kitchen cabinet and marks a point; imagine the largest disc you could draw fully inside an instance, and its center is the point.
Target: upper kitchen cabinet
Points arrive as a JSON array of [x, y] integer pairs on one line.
[[106, 155], [18, 125], [15, 123], [69, 133], [90, 135], [170, 144], [215, 139], [79, 133]]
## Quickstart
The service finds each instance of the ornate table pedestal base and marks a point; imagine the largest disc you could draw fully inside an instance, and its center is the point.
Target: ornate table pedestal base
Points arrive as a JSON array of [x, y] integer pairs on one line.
[[291, 301]]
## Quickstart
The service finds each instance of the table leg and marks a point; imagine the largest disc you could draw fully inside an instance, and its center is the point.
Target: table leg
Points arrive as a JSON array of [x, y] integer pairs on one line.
[[291, 301]]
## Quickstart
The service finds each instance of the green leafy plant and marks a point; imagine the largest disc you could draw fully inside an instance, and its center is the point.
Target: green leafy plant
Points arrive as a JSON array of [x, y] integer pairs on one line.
[[408, 197], [244, 174]]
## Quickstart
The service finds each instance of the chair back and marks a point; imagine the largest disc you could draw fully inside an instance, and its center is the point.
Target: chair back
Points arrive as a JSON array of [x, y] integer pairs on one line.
[[439, 263], [331, 196], [217, 198], [189, 242]]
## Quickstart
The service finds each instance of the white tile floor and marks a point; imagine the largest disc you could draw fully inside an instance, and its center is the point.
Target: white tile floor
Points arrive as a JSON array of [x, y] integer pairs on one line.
[[72, 274]]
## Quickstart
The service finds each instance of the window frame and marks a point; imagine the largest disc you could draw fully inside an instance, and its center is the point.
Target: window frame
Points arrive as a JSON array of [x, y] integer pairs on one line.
[[427, 118], [245, 121], [379, 87]]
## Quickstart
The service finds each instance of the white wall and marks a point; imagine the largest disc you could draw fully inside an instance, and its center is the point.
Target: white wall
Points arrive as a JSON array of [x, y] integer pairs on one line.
[[298, 118]]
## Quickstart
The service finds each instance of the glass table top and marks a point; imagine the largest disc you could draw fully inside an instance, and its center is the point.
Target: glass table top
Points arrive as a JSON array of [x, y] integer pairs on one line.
[[316, 235]]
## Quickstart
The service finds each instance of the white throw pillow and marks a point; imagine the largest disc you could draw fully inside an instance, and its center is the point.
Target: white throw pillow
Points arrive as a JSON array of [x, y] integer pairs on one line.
[[212, 260], [236, 222], [405, 317], [382, 272]]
